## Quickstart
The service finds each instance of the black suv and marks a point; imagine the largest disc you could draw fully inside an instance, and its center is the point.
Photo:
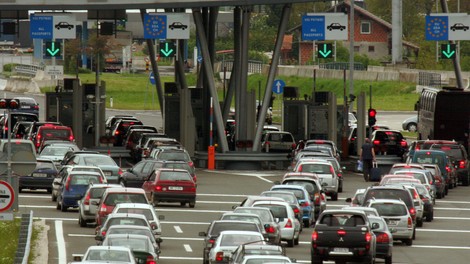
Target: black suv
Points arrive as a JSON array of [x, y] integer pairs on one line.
[[459, 158], [389, 142]]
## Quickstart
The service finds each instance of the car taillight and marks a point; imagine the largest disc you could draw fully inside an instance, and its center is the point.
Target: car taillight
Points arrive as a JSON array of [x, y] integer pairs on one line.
[[437, 180], [150, 260], [296, 210], [211, 243], [270, 229], [219, 256], [293, 146], [317, 199], [67, 184], [413, 212], [71, 138], [146, 152], [299, 169], [153, 226], [368, 238], [87, 199], [288, 224], [103, 208], [410, 222], [341, 232], [382, 238], [314, 236], [158, 187], [416, 195], [120, 171], [447, 168], [306, 203], [376, 142], [340, 175], [103, 233], [116, 133], [332, 171], [191, 164], [462, 164], [36, 107], [403, 143]]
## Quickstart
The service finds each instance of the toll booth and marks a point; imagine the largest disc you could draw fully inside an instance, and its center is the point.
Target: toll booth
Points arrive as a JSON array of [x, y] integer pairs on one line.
[[74, 105]]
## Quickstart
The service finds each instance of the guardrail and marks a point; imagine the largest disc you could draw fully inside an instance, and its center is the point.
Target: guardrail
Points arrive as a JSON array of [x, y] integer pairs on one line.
[[24, 239], [27, 69], [244, 160], [253, 66]]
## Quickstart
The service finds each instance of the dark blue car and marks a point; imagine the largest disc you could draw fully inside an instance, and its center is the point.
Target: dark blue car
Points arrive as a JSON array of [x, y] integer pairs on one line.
[[73, 187], [41, 177]]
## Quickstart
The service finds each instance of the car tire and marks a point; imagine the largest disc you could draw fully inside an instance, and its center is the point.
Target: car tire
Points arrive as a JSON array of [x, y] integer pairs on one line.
[[192, 204], [53, 197], [465, 181], [334, 197], [316, 261], [290, 243], [408, 242], [419, 223], [58, 207], [340, 188], [63, 208], [439, 195], [183, 204], [388, 260], [81, 221], [414, 234], [430, 216], [296, 240], [412, 127]]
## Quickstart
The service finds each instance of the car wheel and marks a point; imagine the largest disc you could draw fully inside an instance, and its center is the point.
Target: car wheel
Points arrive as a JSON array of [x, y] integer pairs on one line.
[[388, 260], [340, 188], [465, 181], [412, 127], [58, 207], [316, 261], [81, 221], [408, 242], [439, 195], [290, 243], [419, 223], [63, 208], [334, 197], [183, 203], [430, 216], [296, 240], [414, 234], [53, 197], [446, 191], [49, 190], [192, 204]]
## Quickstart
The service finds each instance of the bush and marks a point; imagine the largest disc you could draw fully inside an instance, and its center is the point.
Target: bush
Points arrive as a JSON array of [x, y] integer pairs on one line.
[[8, 67]]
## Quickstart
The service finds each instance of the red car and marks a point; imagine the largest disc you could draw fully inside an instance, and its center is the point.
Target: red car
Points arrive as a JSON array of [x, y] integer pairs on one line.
[[171, 185]]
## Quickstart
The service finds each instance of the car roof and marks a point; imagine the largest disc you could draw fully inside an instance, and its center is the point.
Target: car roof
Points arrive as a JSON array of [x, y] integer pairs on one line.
[[239, 232], [104, 185], [124, 190], [138, 236], [129, 227], [134, 205], [395, 201], [93, 173], [284, 186], [126, 215]]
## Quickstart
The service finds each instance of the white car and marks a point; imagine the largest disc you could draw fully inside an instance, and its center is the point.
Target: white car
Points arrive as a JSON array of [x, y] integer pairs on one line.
[[255, 259], [325, 172], [289, 224], [108, 254], [228, 241], [148, 211]]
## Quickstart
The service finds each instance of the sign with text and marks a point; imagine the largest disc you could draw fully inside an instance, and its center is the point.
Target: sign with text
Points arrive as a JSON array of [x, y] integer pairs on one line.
[[52, 27], [325, 26], [166, 26], [447, 26]]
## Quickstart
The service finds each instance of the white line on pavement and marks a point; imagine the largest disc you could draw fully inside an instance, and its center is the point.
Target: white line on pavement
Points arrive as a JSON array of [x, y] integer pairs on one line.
[[178, 229], [190, 211], [263, 179], [59, 235], [187, 248]]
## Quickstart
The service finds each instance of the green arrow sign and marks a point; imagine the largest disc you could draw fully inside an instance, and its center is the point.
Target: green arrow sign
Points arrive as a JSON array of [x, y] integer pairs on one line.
[[448, 51], [52, 49], [167, 49], [325, 50]]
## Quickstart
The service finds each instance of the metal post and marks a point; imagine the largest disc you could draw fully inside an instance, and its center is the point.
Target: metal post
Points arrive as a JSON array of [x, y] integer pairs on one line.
[[351, 49], [97, 101]]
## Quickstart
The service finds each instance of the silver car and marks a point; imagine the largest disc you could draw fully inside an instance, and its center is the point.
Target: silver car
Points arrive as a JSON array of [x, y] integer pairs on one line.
[[86, 209], [325, 172], [410, 124], [396, 215], [228, 241]]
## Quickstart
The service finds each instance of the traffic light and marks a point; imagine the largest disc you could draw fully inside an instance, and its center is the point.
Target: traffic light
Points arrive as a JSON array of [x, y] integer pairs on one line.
[[325, 50], [53, 49], [9, 103], [372, 114], [448, 51], [167, 49]]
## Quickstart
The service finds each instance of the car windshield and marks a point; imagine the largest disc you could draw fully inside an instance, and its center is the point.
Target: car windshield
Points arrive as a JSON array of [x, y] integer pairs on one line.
[[116, 198], [84, 179], [228, 240], [174, 176], [146, 212], [55, 151], [264, 215], [390, 209], [108, 255], [99, 161]]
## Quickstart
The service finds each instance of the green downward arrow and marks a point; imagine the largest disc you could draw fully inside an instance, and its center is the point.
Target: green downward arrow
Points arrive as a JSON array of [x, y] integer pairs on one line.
[[449, 53], [167, 51], [53, 51], [325, 51]]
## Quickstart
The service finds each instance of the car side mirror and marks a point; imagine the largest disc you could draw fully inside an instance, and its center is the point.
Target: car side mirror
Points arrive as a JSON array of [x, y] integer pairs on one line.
[[277, 182], [202, 234], [348, 200], [94, 203], [234, 207], [161, 217], [375, 225], [99, 238], [393, 230]]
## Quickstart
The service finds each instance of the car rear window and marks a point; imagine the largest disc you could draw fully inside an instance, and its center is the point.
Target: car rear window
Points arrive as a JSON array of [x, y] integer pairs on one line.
[[299, 194], [127, 221], [453, 151], [416, 175], [168, 155], [316, 168], [132, 243], [310, 187], [342, 219], [56, 133], [115, 198], [236, 239], [146, 212], [278, 211], [174, 176], [84, 179], [96, 160], [390, 209], [96, 193], [108, 255], [388, 136], [219, 227], [265, 216], [242, 218], [395, 194], [429, 158], [286, 197]]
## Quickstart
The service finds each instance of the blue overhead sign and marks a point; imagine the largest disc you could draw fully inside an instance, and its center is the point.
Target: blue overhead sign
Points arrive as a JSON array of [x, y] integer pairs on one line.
[[437, 28], [155, 26], [41, 27], [313, 27]]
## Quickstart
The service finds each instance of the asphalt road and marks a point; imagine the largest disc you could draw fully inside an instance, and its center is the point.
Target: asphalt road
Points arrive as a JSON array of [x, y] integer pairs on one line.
[[446, 239]]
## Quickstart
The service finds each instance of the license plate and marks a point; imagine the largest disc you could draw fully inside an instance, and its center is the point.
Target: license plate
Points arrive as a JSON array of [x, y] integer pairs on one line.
[[107, 173], [392, 143], [39, 174], [175, 188], [393, 222], [341, 250]]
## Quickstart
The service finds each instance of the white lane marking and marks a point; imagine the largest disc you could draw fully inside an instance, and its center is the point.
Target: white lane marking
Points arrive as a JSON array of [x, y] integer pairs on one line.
[[223, 195], [451, 218], [178, 229], [263, 179], [449, 209], [80, 235], [442, 230], [38, 206], [439, 247], [59, 236], [187, 248], [457, 202], [190, 211], [248, 173], [216, 202], [188, 223]]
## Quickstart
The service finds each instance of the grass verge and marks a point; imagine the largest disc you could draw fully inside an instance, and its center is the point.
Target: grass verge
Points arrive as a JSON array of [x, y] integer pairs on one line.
[[9, 231]]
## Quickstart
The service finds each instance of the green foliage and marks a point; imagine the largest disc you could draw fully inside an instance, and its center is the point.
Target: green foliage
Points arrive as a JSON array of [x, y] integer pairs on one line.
[[8, 67], [9, 230]]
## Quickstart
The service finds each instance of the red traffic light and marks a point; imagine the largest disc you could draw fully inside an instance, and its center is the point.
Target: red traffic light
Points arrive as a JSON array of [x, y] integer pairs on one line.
[[9, 103], [372, 112]]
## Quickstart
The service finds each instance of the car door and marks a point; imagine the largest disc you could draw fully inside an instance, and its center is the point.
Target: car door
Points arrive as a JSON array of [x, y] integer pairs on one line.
[[149, 184]]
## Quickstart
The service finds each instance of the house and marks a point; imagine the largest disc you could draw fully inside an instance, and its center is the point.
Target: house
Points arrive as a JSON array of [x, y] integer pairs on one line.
[[372, 36]]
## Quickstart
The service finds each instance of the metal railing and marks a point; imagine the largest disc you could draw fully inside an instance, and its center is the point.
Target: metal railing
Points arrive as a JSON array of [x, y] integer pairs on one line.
[[430, 79], [253, 66], [24, 239], [342, 66]]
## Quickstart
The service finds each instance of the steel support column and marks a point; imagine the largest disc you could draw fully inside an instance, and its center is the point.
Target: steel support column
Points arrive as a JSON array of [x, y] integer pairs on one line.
[[242, 109], [237, 54], [153, 62], [209, 74], [272, 72]]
